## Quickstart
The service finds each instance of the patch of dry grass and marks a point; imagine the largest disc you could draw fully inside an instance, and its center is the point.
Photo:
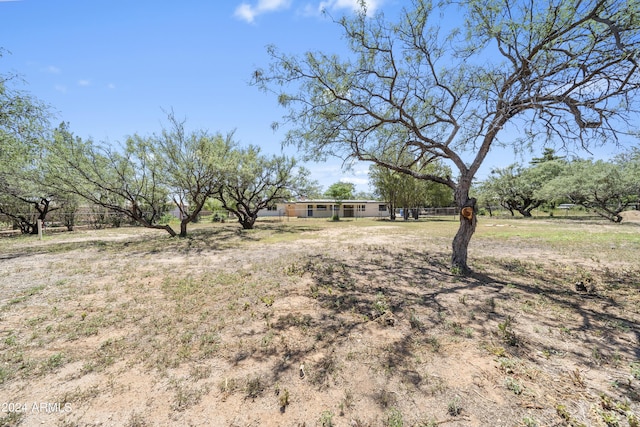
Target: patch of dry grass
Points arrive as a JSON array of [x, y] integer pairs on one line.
[[316, 322]]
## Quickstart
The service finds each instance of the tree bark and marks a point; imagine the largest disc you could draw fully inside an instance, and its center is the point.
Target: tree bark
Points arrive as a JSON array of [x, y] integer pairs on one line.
[[167, 228], [247, 223], [461, 241], [247, 219], [467, 227], [183, 228]]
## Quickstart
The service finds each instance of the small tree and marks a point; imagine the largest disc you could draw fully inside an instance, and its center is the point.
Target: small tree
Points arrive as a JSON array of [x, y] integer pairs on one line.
[[192, 166], [401, 190], [339, 192], [255, 182], [630, 161], [387, 184]]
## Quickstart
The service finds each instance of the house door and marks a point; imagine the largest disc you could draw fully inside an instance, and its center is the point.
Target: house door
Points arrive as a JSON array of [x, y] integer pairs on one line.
[[309, 210], [348, 211]]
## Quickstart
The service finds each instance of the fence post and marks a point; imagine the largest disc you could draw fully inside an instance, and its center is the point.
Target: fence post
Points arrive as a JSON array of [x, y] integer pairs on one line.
[[39, 222]]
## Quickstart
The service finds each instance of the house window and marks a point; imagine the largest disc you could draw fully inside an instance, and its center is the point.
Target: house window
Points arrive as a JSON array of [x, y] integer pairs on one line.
[[382, 208], [321, 207], [362, 208], [272, 208]]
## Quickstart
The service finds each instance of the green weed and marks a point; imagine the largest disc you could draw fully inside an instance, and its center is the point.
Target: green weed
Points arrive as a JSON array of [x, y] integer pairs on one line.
[[394, 418], [326, 419], [513, 385]]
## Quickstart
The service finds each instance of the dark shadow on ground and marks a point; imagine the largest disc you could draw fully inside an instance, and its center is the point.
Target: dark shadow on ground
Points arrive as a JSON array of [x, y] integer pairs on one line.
[[385, 288]]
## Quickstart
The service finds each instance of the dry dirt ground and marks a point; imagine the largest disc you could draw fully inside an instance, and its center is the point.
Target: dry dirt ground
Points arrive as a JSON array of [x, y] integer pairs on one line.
[[308, 323]]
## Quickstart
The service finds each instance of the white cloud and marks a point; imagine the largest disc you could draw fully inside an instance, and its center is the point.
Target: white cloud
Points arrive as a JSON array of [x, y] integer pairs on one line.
[[354, 5], [111, 86], [60, 88], [51, 69], [248, 13], [245, 12], [354, 180], [84, 82]]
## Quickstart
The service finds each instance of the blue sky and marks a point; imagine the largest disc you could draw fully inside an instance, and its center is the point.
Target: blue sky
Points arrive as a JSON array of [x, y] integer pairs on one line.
[[109, 67]]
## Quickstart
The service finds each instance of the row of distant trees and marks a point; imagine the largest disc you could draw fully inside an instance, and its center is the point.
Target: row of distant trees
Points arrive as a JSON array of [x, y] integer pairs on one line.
[[604, 187], [47, 171], [408, 193]]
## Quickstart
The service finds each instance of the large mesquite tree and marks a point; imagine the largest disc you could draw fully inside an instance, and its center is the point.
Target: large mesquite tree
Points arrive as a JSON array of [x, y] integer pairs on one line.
[[560, 70]]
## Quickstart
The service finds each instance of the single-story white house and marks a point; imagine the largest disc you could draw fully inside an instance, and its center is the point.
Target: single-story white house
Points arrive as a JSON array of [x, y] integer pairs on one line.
[[326, 208]]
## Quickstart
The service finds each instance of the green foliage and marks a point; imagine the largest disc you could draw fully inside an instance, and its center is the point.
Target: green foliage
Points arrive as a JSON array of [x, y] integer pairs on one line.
[[513, 385], [23, 118], [340, 191], [402, 190], [126, 180], [326, 419], [192, 165], [283, 400], [454, 408], [25, 193], [607, 188], [254, 387], [394, 418], [257, 181], [505, 330], [517, 188]]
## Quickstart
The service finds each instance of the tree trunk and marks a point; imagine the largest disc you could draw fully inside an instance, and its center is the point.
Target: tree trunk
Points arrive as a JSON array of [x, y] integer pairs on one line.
[[525, 213], [247, 220], [167, 228], [467, 227], [183, 227], [247, 223]]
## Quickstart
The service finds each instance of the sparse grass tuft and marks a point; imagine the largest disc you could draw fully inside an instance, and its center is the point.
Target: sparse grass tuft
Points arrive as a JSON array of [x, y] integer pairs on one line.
[[635, 370], [513, 385], [283, 400], [254, 387], [506, 333], [453, 407], [326, 419], [394, 418]]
